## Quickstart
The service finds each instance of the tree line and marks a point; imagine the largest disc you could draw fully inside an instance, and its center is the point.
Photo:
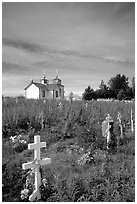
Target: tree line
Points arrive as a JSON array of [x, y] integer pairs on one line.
[[117, 88]]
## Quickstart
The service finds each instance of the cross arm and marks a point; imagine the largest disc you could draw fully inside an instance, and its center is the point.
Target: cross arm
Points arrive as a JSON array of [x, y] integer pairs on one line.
[[45, 161], [35, 145], [28, 165]]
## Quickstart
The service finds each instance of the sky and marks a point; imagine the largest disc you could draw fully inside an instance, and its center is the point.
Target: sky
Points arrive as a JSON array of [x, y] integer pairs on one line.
[[85, 41]]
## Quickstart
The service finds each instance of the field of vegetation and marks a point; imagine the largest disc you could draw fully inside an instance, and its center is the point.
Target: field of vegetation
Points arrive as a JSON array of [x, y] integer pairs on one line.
[[70, 130]]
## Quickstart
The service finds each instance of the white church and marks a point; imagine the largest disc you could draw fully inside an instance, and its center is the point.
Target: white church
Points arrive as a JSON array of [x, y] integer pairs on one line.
[[45, 90]]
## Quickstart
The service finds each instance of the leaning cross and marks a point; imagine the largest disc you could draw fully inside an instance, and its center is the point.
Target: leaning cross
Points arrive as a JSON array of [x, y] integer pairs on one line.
[[36, 165]]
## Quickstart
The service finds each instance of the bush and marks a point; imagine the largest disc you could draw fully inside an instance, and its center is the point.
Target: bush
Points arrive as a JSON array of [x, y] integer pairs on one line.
[[91, 137]]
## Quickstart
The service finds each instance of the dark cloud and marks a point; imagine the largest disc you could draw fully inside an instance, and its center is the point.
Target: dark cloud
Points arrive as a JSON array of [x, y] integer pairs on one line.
[[27, 46], [108, 59], [31, 47], [125, 8], [8, 67]]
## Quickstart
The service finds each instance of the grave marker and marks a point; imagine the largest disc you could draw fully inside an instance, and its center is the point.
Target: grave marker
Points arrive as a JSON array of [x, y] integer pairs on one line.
[[120, 124], [107, 129], [36, 164]]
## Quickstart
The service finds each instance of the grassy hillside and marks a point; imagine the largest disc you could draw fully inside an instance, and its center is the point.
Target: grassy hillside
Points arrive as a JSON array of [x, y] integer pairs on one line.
[[70, 131]]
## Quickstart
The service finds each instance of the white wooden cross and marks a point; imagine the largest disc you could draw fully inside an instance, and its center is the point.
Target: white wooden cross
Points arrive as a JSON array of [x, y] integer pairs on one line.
[[106, 129], [120, 124], [108, 120], [36, 165]]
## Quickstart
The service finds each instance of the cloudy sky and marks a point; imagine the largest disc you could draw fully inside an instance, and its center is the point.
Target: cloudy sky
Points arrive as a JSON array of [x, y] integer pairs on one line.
[[85, 42]]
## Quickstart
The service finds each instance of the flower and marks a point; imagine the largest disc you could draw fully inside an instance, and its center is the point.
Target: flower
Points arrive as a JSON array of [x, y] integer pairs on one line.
[[86, 158], [24, 193], [44, 181], [22, 196]]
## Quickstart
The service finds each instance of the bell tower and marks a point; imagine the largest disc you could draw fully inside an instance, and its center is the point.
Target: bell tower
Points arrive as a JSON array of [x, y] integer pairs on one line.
[[44, 80], [57, 80]]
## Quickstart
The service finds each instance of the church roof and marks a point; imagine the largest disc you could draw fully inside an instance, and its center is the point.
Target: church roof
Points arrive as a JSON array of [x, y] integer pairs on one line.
[[48, 87], [51, 87], [57, 78], [28, 86], [40, 86]]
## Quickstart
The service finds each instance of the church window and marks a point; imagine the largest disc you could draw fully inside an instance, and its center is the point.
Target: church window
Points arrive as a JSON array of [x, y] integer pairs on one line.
[[56, 94], [43, 94]]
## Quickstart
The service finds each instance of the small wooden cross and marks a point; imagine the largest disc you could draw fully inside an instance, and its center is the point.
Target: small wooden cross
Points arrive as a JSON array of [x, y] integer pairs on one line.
[[108, 120], [106, 127], [120, 124], [36, 165]]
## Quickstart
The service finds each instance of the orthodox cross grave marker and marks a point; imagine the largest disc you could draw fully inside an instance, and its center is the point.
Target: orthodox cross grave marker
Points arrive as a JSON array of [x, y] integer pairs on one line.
[[107, 129], [36, 165], [120, 124]]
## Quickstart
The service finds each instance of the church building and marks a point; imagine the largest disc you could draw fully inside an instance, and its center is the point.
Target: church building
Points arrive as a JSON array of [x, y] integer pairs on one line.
[[45, 90]]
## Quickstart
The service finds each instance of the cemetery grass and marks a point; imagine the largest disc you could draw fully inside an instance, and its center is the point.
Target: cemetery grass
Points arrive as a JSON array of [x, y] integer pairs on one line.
[[68, 127]]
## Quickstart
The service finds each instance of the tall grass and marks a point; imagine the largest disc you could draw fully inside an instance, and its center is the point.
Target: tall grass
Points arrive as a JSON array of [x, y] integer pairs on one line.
[[30, 113], [62, 125]]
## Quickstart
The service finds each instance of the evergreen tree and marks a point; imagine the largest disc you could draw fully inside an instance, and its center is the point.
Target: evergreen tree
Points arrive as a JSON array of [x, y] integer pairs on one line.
[[117, 83], [89, 94], [103, 90], [121, 95], [117, 88]]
